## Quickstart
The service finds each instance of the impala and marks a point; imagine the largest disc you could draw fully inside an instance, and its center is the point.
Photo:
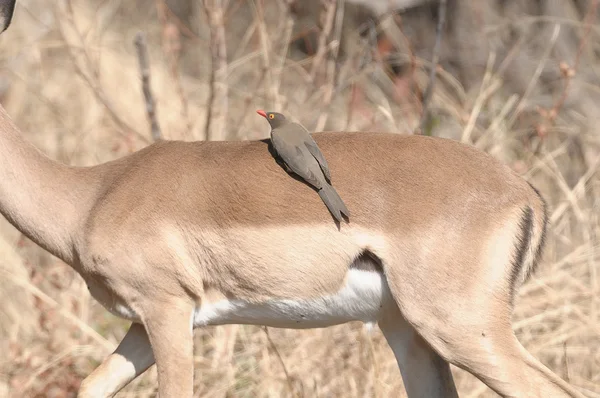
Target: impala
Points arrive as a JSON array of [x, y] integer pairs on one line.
[[182, 235]]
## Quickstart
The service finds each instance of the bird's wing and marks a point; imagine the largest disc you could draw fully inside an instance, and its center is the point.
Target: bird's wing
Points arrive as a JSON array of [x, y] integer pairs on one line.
[[296, 159], [314, 150]]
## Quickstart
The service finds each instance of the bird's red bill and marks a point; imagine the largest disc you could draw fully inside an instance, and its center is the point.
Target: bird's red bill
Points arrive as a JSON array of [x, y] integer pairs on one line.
[[262, 113]]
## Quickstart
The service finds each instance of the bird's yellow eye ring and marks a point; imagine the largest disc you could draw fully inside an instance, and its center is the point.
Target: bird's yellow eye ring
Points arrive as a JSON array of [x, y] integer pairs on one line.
[[271, 116]]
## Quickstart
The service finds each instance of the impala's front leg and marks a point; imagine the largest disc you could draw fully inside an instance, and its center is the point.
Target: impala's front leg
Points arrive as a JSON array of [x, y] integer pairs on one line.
[[131, 358], [170, 330]]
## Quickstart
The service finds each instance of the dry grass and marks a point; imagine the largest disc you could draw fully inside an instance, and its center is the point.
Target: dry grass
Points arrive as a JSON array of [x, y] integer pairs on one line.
[[70, 79]]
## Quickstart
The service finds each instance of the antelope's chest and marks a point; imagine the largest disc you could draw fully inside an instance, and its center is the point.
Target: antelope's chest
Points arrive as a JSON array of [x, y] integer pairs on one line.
[[111, 301]]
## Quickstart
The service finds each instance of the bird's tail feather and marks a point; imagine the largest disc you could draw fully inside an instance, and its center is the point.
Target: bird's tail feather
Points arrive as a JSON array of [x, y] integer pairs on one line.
[[334, 203]]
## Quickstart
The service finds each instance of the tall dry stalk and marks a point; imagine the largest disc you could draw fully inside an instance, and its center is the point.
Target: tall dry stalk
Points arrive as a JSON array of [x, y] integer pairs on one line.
[[171, 44], [216, 119], [331, 63], [425, 116], [88, 70], [326, 25], [266, 53], [142, 53]]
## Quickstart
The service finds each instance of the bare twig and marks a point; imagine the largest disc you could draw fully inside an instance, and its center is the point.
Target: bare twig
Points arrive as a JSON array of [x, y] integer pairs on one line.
[[182, 27], [106, 345], [488, 86], [216, 117], [93, 78], [536, 75], [328, 15], [142, 53], [265, 44], [434, 63], [566, 363], [331, 69], [525, 21], [367, 335], [287, 375], [171, 42], [286, 28], [270, 74], [569, 72], [394, 38]]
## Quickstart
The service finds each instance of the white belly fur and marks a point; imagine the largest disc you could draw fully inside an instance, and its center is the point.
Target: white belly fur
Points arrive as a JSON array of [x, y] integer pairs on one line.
[[360, 299]]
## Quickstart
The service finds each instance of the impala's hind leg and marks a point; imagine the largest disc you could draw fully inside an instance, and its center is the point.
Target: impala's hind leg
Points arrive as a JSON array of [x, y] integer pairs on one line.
[[131, 358], [470, 328], [458, 297], [424, 373], [490, 351]]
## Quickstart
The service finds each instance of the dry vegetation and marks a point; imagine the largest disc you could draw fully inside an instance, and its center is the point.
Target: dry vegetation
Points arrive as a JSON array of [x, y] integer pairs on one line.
[[70, 78]]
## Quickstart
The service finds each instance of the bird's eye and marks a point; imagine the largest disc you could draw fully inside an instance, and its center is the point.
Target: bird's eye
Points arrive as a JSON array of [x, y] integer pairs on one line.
[[271, 116]]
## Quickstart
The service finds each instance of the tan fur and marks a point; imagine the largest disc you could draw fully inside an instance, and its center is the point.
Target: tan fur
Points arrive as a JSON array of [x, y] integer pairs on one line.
[[178, 226]]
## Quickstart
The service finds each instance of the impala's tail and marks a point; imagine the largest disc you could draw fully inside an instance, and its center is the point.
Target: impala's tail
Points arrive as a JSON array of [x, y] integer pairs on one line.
[[530, 241], [7, 8], [334, 203], [540, 226]]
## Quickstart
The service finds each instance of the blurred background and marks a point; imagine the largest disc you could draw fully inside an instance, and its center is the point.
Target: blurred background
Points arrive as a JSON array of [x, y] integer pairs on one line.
[[519, 79]]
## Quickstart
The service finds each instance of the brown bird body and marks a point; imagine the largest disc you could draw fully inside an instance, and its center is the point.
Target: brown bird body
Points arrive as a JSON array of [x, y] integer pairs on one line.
[[301, 155]]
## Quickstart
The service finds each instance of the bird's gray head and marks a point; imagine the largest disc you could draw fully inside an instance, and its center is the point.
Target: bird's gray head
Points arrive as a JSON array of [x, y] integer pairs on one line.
[[7, 7], [275, 119]]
